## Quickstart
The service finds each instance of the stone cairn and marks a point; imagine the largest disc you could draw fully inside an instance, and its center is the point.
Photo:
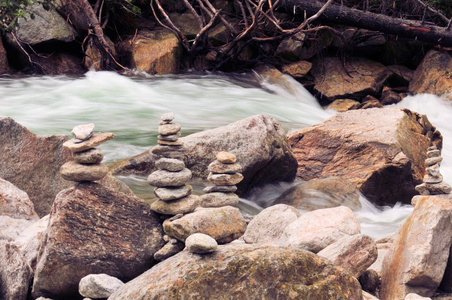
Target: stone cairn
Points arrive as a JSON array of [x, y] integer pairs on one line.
[[433, 181], [224, 174], [86, 165], [174, 195]]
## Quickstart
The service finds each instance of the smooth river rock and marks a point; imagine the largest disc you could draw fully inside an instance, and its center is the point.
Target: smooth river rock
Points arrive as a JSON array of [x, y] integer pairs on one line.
[[162, 178], [98, 286], [91, 156], [201, 243], [94, 229], [241, 271], [382, 151], [224, 224], [74, 171], [418, 259], [32, 163], [259, 143], [94, 141], [318, 229], [168, 193], [179, 206]]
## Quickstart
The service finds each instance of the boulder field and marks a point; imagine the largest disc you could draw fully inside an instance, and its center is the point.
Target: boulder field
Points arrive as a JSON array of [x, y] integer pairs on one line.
[[99, 234]]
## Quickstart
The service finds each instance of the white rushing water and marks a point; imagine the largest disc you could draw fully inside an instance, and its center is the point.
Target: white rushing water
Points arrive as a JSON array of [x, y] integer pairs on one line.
[[131, 108]]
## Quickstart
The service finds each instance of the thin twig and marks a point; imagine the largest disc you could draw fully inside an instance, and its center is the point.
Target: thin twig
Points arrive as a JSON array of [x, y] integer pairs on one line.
[[201, 22], [203, 31], [222, 19], [245, 20]]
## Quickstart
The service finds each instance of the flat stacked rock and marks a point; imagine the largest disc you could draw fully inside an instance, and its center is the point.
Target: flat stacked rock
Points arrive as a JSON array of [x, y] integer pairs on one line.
[[433, 181], [171, 177], [86, 165], [224, 174]]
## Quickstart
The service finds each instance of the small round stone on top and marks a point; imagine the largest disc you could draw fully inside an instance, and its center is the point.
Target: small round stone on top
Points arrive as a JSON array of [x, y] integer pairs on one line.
[[83, 132], [167, 117], [226, 157]]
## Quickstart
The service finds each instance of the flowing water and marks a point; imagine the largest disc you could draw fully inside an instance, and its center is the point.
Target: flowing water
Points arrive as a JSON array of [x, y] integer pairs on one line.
[[131, 108]]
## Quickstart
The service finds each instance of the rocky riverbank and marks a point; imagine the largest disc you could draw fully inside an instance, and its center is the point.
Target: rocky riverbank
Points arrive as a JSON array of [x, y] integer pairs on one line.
[[178, 248]]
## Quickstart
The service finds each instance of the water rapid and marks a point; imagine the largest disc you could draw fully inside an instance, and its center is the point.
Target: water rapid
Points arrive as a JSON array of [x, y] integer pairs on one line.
[[131, 107]]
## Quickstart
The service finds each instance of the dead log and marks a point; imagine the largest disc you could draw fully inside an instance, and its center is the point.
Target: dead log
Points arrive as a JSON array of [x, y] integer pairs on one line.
[[339, 14]]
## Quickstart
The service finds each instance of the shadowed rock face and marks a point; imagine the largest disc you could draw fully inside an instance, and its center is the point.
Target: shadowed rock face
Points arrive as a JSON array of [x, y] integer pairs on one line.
[[259, 143], [382, 151], [94, 229], [241, 271], [32, 163]]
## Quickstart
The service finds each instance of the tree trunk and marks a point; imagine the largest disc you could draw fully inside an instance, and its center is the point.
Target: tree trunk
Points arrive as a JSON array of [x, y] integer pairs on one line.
[[357, 18]]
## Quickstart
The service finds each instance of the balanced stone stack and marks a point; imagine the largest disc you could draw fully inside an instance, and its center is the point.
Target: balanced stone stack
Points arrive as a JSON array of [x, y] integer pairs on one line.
[[87, 159], [224, 174], [174, 195], [433, 181]]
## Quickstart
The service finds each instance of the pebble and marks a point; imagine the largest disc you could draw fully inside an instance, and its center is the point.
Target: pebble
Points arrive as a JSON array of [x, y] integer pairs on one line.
[[220, 188], [225, 179], [226, 157], [200, 243], [162, 178], [433, 170], [431, 148], [219, 199], [95, 140], [73, 171], [170, 164], [438, 188], [92, 156], [168, 194], [169, 129], [433, 160], [168, 151], [83, 132], [166, 143], [167, 117], [179, 206], [217, 167]]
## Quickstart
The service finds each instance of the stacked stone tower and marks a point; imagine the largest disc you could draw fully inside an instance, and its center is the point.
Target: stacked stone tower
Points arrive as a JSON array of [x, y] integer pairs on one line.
[[87, 159], [224, 174], [174, 195], [433, 180]]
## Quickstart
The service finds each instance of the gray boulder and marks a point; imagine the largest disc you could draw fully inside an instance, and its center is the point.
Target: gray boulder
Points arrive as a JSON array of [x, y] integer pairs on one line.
[[11, 228], [46, 25]]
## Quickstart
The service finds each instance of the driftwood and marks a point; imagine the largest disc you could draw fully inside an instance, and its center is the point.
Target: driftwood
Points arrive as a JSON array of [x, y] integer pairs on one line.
[[339, 14]]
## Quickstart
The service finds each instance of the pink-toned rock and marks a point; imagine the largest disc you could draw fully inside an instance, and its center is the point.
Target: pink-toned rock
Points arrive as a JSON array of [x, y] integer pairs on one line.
[[93, 229], [318, 229], [421, 249], [382, 151], [15, 202], [32, 163], [353, 253], [269, 224], [95, 140]]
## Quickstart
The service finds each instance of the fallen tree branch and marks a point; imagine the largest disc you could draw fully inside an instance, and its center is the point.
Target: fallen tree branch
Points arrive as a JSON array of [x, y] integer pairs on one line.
[[353, 17]]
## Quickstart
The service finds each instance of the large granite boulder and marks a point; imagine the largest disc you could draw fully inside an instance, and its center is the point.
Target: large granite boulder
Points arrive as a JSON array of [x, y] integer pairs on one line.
[[382, 151], [32, 163], [224, 224], [46, 25], [432, 75], [355, 79], [322, 193], [242, 271], [318, 229], [258, 142], [14, 273], [420, 252], [93, 229], [15, 202], [11, 228], [156, 52]]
